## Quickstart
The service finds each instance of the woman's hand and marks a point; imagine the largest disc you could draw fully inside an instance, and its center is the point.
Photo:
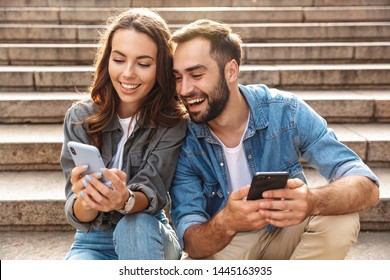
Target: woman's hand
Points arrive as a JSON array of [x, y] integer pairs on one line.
[[94, 196], [101, 196]]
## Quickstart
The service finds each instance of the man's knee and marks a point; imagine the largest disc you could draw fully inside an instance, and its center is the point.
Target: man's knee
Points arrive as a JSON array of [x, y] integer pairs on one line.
[[335, 234], [338, 227]]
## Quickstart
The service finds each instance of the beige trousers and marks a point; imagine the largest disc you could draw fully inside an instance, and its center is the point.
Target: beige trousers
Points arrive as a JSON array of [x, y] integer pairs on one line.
[[316, 238]]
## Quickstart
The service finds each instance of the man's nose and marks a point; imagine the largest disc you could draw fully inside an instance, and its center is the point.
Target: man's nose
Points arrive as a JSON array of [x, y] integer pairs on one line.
[[186, 87]]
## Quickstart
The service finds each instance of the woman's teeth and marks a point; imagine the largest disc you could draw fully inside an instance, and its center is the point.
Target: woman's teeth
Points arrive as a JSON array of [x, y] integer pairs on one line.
[[126, 86]]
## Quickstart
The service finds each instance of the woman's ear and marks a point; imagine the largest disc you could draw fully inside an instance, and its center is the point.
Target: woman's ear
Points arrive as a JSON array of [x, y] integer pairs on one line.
[[231, 71]]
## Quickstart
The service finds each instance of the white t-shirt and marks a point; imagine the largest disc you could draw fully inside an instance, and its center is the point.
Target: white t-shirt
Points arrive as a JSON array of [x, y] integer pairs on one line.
[[128, 127], [239, 175]]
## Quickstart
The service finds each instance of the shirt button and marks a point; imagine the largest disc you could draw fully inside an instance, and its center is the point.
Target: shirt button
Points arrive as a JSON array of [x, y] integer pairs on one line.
[[250, 157], [221, 164]]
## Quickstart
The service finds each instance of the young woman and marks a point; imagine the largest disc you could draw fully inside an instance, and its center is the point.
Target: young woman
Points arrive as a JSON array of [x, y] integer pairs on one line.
[[134, 118]]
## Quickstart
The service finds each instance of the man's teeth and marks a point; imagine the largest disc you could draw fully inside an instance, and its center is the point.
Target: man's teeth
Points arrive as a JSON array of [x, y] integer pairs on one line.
[[195, 101], [129, 86]]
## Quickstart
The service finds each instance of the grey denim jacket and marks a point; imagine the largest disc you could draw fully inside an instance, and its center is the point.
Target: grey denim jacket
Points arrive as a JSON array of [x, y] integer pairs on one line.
[[149, 160]]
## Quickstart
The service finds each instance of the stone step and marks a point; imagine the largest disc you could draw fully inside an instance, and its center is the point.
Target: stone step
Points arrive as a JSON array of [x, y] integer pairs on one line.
[[349, 106], [249, 32], [52, 54], [189, 3], [93, 15], [35, 245], [319, 52], [311, 32], [45, 78], [38, 146], [290, 77], [371, 245], [34, 200], [30, 147], [22, 245], [26, 107], [352, 106], [370, 141], [253, 53], [67, 3], [317, 76]]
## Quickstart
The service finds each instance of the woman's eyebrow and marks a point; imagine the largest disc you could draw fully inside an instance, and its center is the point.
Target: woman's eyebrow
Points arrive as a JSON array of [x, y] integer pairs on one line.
[[138, 57]]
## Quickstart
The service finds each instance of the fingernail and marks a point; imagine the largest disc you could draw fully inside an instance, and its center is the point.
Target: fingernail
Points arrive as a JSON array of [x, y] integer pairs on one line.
[[98, 174], [84, 183], [83, 194], [103, 170], [89, 178], [85, 166], [108, 183]]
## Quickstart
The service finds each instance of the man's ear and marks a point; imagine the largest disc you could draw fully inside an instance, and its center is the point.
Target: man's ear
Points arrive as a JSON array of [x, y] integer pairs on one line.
[[231, 71]]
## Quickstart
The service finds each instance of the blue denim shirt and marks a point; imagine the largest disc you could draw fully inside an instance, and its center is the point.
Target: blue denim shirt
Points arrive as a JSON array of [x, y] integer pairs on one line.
[[282, 131]]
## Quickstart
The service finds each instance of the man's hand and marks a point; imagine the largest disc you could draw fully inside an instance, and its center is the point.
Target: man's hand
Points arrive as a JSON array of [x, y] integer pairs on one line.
[[286, 207], [240, 214]]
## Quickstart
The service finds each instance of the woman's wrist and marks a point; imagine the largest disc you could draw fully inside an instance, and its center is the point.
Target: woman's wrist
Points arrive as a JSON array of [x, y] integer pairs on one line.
[[82, 213]]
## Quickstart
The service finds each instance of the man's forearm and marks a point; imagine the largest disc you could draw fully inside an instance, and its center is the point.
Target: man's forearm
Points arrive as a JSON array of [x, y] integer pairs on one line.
[[203, 240], [346, 195]]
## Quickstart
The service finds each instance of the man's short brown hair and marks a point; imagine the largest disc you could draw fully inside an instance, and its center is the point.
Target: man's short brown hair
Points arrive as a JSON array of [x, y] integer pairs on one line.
[[225, 45]]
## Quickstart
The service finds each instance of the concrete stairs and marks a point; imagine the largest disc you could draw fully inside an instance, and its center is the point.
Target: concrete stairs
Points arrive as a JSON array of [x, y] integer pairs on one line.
[[333, 54]]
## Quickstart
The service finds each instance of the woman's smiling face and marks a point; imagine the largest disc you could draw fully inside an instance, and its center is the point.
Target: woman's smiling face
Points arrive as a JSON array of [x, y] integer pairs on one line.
[[132, 68]]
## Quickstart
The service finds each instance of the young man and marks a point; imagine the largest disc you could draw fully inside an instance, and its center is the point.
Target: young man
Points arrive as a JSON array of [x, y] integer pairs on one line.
[[238, 130]]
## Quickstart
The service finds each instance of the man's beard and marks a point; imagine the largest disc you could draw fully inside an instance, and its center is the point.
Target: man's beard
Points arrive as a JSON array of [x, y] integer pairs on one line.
[[217, 100]]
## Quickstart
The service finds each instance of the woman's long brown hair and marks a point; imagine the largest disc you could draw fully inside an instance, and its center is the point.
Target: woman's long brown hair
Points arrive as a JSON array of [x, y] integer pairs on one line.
[[161, 105]]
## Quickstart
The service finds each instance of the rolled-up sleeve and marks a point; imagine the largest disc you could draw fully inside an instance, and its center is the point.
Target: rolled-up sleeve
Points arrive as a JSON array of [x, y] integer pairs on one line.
[[356, 168]]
